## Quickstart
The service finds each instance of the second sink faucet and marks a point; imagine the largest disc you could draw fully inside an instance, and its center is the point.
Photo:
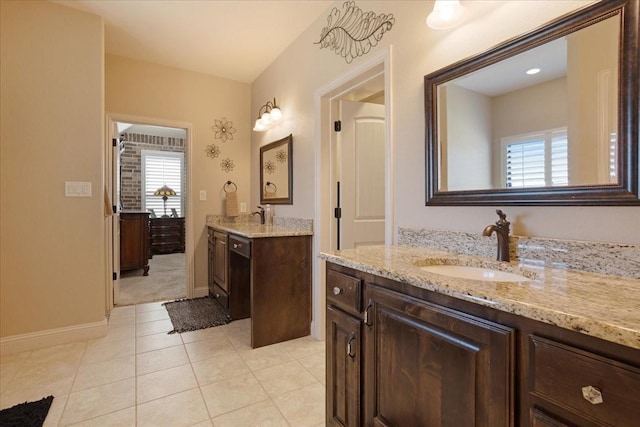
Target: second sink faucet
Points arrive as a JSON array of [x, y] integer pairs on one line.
[[259, 212], [501, 228]]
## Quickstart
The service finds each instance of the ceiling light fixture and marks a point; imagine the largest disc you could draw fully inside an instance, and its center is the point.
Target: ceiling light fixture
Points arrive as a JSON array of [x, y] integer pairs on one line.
[[533, 71], [445, 14], [268, 114]]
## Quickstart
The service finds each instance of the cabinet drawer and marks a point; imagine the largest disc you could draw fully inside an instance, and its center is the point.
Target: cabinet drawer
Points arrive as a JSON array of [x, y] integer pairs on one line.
[[560, 372], [240, 246], [344, 291]]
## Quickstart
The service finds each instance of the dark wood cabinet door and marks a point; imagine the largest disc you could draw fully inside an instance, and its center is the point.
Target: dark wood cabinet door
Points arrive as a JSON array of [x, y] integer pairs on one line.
[[343, 368], [220, 260], [134, 241], [430, 366], [210, 252]]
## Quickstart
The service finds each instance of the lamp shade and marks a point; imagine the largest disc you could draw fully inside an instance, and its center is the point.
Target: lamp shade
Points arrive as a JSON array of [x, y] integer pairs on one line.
[[445, 14], [164, 191]]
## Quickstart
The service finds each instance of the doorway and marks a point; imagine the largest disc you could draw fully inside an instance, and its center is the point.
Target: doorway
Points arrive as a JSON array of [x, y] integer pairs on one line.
[[368, 82], [149, 175]]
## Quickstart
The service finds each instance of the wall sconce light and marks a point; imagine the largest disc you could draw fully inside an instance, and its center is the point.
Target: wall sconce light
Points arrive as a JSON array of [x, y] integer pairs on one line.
[[165, 192], [445, 14], [268, 114]]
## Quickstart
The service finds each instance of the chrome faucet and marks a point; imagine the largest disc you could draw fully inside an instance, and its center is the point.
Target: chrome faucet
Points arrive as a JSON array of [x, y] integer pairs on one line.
[[259, 212], [501, 227]]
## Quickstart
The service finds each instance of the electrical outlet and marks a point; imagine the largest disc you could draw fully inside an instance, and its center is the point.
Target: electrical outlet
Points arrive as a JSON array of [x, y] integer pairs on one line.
[[203, 194], [243, 207]]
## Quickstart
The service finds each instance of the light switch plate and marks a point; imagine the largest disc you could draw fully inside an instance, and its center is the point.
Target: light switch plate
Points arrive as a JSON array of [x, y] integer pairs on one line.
[[243, 207], [77, 189]]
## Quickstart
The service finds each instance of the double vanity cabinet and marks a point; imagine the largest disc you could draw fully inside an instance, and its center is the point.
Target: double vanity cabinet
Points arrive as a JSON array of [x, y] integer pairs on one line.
[[263, 272], [399, 354]]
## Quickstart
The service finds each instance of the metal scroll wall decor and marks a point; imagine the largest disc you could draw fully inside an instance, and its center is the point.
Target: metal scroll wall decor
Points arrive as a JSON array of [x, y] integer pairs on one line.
[[350, 32], [223, 130]]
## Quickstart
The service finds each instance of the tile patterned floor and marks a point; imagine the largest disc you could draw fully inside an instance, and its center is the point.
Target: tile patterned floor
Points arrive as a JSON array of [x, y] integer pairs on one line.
[[138, 375]]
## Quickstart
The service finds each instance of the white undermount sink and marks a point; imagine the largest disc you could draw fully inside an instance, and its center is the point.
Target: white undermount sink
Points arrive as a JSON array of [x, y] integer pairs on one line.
[[474, 273]]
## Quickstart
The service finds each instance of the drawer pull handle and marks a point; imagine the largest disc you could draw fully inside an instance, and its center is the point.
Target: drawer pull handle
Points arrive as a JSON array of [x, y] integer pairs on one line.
[[236, 245], [349, 349], [337, 290], [366, 313], [592, 395]]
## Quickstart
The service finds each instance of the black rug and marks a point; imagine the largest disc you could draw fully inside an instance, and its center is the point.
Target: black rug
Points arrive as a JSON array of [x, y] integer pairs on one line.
[[27, 414], [198, 313]]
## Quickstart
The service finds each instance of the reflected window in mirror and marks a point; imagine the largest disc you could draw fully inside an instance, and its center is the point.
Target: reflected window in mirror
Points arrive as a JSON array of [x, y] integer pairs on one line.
[[554, 112], [276, 172]]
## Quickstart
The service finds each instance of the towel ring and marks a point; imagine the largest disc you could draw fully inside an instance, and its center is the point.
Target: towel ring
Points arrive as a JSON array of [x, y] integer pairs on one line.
[[270, 184], [228, 183]]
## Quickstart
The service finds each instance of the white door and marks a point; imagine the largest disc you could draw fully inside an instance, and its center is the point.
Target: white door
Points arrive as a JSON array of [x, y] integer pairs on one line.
[[115, 218], [362, 174]]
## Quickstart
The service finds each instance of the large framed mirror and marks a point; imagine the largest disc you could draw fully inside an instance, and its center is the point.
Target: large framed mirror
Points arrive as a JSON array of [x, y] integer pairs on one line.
[[276, 172], [564, 134]]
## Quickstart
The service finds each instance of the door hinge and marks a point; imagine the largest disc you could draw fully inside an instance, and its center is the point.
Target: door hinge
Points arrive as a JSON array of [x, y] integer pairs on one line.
[[114, 208], [337, 126], [114, 275], [337, 213], [114, 142]]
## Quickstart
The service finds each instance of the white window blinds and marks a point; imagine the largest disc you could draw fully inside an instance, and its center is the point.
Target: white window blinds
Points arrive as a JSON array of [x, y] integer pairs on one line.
[[536, 160], [161, 168]]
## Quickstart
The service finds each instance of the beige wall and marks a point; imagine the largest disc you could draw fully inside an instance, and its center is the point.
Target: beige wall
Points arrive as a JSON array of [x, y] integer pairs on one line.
[[52, 258], [147, 90], [417, 50]]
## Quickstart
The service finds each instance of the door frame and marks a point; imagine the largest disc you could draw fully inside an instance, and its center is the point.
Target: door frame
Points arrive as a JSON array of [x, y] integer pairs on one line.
[[112, 118], [325, 168]]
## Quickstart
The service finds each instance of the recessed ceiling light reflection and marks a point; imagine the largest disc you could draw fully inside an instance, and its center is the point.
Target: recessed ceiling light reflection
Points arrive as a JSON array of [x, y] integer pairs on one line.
[[533, 71]]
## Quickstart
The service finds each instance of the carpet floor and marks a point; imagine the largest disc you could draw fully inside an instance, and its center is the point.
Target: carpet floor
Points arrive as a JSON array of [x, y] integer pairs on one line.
[[197, 313], [27, 414], [166, 281]]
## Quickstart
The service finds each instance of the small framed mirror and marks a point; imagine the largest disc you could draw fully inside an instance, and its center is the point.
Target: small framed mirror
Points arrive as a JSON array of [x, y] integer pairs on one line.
[[546, 118], [276, 172]]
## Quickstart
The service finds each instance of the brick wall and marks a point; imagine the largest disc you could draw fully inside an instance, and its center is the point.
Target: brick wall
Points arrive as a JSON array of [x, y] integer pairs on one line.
[[131, 164]]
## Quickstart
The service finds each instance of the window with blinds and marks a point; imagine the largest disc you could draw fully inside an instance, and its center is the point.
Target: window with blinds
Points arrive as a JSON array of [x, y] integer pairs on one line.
[[536, 160], [161, 168]]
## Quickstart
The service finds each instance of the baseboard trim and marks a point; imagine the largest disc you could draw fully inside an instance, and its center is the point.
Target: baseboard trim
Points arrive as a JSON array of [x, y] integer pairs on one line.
[[51, 337], [200, 292]]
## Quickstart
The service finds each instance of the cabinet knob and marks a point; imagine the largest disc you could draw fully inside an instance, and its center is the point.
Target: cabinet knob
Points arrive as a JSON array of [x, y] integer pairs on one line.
[[236, 245], [337, 290], [217, 295], [592, 395]]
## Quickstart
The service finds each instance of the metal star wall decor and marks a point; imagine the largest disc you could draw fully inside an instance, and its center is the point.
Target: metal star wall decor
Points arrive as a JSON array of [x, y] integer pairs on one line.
[[212, 151], [223, 129], [350, 32], [227, 165]]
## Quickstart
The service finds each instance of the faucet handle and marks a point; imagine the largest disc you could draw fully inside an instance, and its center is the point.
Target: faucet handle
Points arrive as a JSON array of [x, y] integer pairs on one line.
[[503, 218]]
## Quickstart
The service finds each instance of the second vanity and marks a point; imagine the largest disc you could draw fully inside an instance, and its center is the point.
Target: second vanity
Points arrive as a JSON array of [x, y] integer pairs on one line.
[[406, 346], [263, 272]]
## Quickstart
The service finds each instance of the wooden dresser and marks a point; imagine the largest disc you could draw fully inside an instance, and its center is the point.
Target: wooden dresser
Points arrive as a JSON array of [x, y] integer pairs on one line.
[[134, 241], [166, 235]]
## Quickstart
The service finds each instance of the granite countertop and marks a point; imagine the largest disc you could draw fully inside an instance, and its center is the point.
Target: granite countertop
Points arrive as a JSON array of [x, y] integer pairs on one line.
[[595, 304], [255, 230]]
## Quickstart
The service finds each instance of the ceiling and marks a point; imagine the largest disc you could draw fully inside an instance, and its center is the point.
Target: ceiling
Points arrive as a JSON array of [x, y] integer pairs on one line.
[[235, 39]]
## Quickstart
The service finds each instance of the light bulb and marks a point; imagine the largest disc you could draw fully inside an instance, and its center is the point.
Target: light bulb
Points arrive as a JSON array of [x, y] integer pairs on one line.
[[276, 114]]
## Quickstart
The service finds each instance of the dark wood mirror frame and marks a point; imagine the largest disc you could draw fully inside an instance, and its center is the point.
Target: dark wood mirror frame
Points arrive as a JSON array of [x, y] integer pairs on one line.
[[626, 192], [288, 142]]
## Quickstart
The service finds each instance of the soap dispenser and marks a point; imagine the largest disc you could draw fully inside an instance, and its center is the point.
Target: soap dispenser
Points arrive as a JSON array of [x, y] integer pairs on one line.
[[268, 214]]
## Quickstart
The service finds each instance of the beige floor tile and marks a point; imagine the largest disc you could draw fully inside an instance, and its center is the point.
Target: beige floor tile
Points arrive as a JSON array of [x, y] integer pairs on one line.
[[125, 311], [282, 378], [37, 380], [177, 410], [120, 332], [164, 383], [264, 357], [235, 393], [68, 353], [303, 347], [236, 326], [219, 368], [150, 316], [55, 411], [150, 306], [201, 334], [206, 423], [156, 342], [121, 320], [101, 349], [122, 418], [10, 365], [263, 414], [304, 407], [241, 341], [155, 327], [316, 365], [201, 350], [94, 402], [96, 374], [158, 360]]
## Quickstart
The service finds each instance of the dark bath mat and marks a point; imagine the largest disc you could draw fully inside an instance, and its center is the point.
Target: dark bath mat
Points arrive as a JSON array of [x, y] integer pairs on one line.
[[27, 414], [198, 313]]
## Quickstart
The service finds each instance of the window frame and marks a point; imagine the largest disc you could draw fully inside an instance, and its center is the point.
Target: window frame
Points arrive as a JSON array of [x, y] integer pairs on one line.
[[165, 154]]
